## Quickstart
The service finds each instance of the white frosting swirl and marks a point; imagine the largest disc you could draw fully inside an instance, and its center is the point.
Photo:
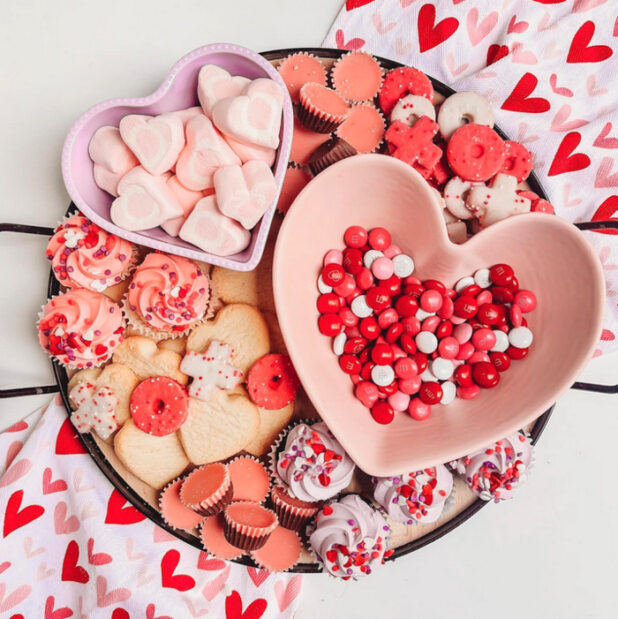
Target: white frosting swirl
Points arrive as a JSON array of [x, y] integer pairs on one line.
[[350, 537], [496, 471], [415, 497], [313, 464]]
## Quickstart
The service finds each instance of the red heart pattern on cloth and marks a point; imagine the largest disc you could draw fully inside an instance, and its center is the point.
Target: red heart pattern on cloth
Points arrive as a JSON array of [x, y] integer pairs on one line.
[[520, 100], [565, 160], [350, 5], [50, 486], [205, 563], [553, 82], [582, 51], [16, 516], [119, 512], [169, 580], [71, 571], [604, 176], [430, 33], [97, 558], [496, 52], [257, 575], [603, 141], [56, 613], [352, 44], [106, 597], [234, 607]]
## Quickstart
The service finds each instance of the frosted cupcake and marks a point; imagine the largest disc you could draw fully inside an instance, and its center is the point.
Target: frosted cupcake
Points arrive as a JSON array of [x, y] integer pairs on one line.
[[310, 463], [414, 497], [498, 470], [167, 297], [83, 255], [80, 328], [350, 538]]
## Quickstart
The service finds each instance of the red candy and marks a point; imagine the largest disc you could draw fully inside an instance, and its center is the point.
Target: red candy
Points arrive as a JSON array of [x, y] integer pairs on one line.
[[355, 345], [159, 405], [352, 261], [379, 239], [517, 161], [485, 374], [430, 393], [350, 364], [272, 382], [367, 393], [329, 324], [501, 360], [414, 145], [465, 307], [355, 237], [333, 274], [401, 82], [475, 152], [382, 354], [406, 305], [419, 410], [382, 412], [501, 275], [328, 303], [378, 298]]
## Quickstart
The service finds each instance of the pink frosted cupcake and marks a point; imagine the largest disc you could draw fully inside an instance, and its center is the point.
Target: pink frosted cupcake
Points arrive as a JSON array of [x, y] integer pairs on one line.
[[321, 108], [81, 328], [292, 513], [167, 297], [248, 525], [83, 255], [207, 490]]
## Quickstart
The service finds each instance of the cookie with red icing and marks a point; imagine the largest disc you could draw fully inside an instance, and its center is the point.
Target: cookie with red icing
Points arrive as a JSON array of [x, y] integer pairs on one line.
[[401, 82], [272, 382]]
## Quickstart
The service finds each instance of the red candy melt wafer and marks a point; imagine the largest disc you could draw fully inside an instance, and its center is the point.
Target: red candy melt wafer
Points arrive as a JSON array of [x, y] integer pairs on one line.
[[401, 82], [414, 145], [272, 382], [159, 405], [517, 161], [475, 152]]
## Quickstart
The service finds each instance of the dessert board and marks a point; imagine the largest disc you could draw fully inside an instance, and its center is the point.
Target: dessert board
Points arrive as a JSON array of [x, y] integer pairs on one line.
[[404, 538]]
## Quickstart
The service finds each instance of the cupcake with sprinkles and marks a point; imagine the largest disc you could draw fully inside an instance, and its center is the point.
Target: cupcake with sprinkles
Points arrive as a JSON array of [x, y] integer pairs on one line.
[[82, 255], [350, 538], [310, 464], [418, 497], [81, 328], [494, 473], [167, 297]]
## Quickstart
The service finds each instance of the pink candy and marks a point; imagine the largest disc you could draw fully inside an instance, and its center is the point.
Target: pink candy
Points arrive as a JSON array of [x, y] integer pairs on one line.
[[382, 268]]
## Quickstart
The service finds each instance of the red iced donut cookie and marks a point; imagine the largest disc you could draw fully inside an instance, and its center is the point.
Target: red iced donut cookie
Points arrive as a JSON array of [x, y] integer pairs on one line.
[[537, 204], [401, 82], [272, 382], [475, 152], [517, 160], [159, 405], [414, 145]]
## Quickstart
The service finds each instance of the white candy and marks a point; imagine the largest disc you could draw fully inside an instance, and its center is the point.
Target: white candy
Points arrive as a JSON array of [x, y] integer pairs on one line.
[[382, 375], [322, 287], [428, 376], [502, 341], [371, 256], [520, 337], [463, 283], [404, 265], [461, 108], [421, 314], [481, 278], [339, 343], [426, 342], [449, 391], [411, 107], [360, 308], [442, 368]]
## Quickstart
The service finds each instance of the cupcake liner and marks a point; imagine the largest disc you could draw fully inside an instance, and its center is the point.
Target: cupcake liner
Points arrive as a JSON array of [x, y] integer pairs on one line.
[[247, 537], [379, 145], [216, 502], [210, 550], [316, 120], [337, 63], [327, 154], [258, 461], [162, 493], [290, 516]]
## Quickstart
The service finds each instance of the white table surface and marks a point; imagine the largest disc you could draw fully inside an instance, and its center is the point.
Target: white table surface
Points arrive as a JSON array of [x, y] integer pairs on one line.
[[550, 552]]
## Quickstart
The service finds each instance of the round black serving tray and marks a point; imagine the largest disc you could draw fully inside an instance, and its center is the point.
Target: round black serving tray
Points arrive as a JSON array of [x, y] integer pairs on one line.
[[146, 508]]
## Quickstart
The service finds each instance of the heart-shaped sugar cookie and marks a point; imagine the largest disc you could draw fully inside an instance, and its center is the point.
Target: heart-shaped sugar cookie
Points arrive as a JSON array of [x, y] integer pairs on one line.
[[144, 201], [156, 460], [271, 424], [155, 141], [214, 83], [212, 231], [218, 428], [145, 359], [240, 326], [254, 117], [119, 378], [244, 193], [206, 150]]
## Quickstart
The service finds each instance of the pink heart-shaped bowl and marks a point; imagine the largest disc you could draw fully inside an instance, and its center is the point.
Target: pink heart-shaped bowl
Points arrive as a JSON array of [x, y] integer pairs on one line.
[[549, 255], [178, 91]]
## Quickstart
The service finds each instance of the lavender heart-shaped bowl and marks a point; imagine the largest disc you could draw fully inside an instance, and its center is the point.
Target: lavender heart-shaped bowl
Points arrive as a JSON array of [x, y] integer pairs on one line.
[[178, 91]]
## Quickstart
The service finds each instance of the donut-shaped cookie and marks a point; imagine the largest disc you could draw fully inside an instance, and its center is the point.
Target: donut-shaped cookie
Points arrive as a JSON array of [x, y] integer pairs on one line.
[[411, 108], [517, 161], [272, 382], [475, 152], [159, 405], [455, 193], [401, 82], [462, 108]]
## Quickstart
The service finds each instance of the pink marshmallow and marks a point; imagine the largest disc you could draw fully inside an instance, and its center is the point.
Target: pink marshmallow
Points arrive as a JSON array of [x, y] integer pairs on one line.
[[155, 141], [245, 193], [112, 158], [213, 232], [144, 201], [187, 199], [205, 151], [250, 152], [254, 117], [214, 83], [187, 114]]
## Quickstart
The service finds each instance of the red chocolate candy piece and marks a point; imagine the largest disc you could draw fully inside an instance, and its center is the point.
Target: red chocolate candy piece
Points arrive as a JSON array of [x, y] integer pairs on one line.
[[475, 152], [272, 382], [159, 405], [401, 82], [517, 161], [414, 144]]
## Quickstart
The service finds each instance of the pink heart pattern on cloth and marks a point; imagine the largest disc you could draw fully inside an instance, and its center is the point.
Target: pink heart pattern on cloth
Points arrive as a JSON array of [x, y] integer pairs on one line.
[[155, 141], [206, 150], [215, 83], [557, 47], [79, 569], [245, 193], [212, 231], [144, 201], [253, 117]]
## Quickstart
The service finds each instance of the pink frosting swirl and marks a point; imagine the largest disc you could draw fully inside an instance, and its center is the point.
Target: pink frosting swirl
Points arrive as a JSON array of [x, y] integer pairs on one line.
[[81, 328], [168, 292], [415, 497], [496, 471], [85, 256]]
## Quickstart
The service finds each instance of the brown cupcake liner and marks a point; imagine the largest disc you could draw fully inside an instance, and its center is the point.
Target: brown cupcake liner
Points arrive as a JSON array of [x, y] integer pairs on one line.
[[333, 70], [214, 504], [315, 121], [292, 517], [209, 550], [330, 152], [247, 537], [382, 142]]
